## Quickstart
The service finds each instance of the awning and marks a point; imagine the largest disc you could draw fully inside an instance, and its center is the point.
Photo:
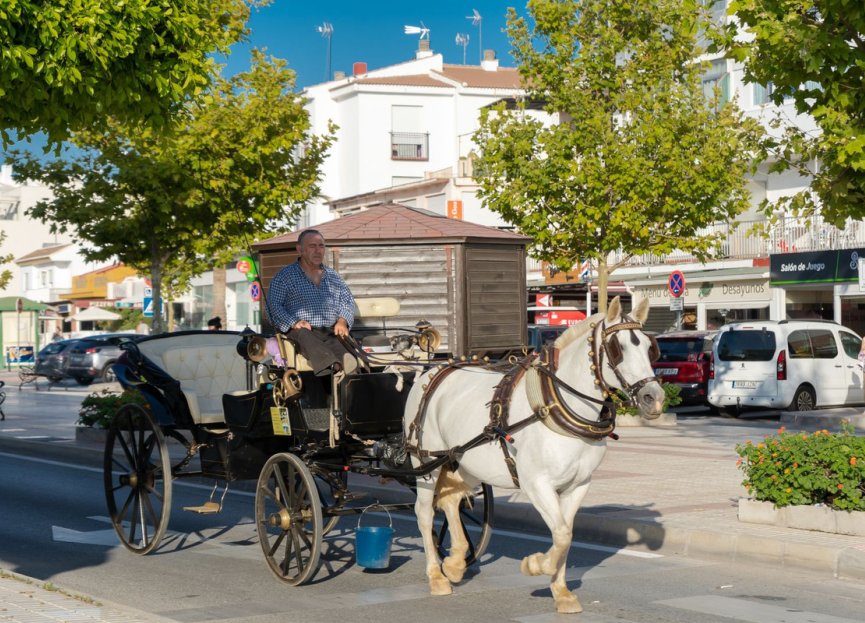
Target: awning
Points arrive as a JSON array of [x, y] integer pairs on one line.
[[95, 313]]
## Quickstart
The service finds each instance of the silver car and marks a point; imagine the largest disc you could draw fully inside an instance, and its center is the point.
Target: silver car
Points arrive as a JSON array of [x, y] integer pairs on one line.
[[92, 358]]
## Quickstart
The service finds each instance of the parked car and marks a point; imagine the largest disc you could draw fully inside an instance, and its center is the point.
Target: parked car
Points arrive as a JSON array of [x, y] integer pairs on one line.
[[797, 365], [91, 358], [685, 360], [53, 360], [540, 334]]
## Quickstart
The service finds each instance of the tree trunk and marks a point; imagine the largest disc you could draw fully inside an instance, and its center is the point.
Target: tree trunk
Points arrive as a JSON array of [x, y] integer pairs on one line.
[[603, 280], [219, 294], [157, 326]]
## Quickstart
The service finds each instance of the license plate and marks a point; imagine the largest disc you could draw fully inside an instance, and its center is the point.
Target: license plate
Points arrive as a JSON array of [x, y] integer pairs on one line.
[[745, 384], [666, 371]]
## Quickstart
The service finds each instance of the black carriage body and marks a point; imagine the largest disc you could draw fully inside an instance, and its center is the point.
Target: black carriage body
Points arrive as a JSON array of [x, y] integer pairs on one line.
[[372, 407]]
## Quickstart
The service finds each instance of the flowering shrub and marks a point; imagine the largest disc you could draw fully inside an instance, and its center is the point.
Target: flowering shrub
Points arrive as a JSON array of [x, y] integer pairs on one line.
[[802, 468], [98, 408]]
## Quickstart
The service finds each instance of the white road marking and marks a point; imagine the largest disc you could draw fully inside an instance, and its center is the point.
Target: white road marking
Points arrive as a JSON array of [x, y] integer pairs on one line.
[[87, 537], [752, 611]]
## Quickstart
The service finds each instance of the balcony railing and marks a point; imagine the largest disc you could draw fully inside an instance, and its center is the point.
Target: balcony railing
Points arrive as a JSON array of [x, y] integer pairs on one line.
[[743, 240], [409, 146]]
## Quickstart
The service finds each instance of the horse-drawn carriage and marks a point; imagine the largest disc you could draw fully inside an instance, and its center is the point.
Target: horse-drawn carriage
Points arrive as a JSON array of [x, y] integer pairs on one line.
[[250, 408]]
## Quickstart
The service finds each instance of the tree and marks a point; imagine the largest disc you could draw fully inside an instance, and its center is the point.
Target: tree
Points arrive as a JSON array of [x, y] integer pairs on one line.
[[242, 163], [641, 160], [68, 65], [5, 274], [813, 52]]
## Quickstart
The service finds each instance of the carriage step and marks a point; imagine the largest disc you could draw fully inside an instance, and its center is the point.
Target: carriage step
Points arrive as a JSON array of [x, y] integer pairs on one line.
[[208, 508]]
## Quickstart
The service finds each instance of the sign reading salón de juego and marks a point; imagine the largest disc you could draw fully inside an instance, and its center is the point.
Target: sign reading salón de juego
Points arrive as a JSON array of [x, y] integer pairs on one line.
[[815, 267]]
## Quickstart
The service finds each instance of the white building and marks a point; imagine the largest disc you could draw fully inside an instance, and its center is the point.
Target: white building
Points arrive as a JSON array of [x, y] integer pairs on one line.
[[405, 135]]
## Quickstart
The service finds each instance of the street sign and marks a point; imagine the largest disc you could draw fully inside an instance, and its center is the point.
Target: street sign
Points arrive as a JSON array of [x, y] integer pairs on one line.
[[677, 304], [676, 283], [255, 291], [861, 266], [148, 291], [148, 307]]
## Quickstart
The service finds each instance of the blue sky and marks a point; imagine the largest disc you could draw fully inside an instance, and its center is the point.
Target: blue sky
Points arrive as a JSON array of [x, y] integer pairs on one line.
[[371, 32]]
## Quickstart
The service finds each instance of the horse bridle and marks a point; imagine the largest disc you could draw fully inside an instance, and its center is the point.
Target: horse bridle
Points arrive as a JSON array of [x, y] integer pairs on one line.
[[613, 351]]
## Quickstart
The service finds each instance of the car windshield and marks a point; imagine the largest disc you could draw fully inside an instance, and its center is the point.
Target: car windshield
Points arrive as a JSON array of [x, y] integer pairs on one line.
[[746, 345], [680, 349]]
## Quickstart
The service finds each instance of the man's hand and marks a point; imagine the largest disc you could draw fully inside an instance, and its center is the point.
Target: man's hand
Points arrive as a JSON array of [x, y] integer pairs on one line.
[[302, 324], [340, 329]]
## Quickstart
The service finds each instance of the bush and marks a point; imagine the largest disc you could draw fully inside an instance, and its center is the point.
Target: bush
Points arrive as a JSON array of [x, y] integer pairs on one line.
[[801, 468], [98, 408]]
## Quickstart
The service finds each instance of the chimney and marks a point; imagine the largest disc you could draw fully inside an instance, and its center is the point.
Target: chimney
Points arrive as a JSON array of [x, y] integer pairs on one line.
[[490, 62], [358, 68], [423, 50], [338, 75]]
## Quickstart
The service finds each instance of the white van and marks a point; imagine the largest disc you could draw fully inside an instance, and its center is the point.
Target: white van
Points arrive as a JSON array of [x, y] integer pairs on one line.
[[789, 364]]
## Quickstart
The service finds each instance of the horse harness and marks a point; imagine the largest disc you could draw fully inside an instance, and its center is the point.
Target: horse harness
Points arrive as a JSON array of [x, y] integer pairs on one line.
[[543, 389]]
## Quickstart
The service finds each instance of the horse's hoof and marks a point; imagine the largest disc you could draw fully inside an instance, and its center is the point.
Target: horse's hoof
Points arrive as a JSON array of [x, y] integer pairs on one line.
[[569, 607], [454, 570], [440, 587], [530, 566]]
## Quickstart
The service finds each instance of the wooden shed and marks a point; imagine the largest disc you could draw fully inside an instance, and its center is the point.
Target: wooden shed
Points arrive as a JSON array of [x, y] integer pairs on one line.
[[467, 280]]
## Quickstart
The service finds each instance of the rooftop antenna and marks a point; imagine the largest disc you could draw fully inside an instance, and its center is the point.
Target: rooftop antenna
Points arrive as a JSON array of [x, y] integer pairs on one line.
[[477, 20], [462, 40], [421, 30], [326, 30]]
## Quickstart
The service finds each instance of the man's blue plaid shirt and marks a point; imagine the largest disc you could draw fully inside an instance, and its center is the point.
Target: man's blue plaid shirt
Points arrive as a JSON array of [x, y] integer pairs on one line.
[[294, 297]]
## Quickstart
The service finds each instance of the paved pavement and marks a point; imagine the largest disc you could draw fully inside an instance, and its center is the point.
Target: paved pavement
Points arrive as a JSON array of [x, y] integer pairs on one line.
[[672, 488]]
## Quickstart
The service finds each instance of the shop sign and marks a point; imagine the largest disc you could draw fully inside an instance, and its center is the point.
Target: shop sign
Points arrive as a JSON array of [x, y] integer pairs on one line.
[[815, 267], [718, 293], [861, 263]]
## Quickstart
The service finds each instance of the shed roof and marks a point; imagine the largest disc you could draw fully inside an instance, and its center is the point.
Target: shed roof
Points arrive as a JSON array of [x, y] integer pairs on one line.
[[9, 303], [397, 224]]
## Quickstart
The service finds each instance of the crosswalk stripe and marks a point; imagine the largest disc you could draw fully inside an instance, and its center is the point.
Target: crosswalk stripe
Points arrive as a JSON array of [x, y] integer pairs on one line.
[[751, 611]]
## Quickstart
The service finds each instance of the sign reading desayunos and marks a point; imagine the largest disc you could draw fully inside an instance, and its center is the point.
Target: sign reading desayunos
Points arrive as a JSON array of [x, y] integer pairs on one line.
[[756, 290]]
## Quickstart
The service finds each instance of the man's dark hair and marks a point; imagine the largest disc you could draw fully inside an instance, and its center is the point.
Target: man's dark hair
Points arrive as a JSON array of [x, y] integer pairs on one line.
[[305, 233]]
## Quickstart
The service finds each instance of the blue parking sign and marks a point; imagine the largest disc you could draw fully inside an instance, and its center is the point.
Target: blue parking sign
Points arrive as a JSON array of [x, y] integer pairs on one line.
[[148, 307]]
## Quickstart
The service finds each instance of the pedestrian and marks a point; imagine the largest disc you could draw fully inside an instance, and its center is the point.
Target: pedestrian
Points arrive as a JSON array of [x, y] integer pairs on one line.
[[313, 305], [57, 336], [142, 328], [214, 324]]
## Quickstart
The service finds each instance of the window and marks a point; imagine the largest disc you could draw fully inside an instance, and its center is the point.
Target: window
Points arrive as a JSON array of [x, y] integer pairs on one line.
[[850, 343], [717, 78], [408, 137], [799, 345], [746, 345], [823, 343]]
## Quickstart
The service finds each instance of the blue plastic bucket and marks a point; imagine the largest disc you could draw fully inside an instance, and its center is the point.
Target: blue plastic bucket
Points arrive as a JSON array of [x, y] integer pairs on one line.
[[372, 544]]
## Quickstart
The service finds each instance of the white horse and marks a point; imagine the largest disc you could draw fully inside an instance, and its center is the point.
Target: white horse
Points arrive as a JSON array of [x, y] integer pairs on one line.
[[554, 455]]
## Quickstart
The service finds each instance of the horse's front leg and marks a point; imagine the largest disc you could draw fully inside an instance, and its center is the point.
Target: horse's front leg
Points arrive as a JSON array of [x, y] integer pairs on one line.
[[451, 490], [558, 513], [423, 508]]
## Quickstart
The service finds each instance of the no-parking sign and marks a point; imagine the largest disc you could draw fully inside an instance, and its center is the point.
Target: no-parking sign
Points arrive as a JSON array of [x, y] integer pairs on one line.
[[255, 291], [676, 283]]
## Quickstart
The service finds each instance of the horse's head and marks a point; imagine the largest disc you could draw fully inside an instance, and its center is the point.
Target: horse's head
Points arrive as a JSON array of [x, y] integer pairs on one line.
[[623, 356]]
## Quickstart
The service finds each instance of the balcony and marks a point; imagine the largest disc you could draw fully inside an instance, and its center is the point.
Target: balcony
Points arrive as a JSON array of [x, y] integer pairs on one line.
[[741, 241], [409, 146]]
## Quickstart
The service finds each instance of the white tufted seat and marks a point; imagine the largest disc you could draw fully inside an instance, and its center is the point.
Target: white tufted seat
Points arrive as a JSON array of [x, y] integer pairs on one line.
[[206, 365]]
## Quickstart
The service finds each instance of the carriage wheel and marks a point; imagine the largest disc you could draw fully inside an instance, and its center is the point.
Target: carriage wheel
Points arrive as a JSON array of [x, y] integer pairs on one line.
[[137, 476], [475, 511], [288, 518]]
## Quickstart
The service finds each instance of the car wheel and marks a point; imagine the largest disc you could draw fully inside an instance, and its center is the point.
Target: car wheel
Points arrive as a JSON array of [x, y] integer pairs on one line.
[[804, 400], [108, 375], [83, 380]]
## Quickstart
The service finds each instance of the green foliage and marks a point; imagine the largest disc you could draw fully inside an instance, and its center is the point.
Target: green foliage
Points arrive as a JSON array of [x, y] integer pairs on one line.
[[98, 408], [638, 159], [671, 399], [5, 274], [69, 65], [797, 468], [168, 202], [812, 51]]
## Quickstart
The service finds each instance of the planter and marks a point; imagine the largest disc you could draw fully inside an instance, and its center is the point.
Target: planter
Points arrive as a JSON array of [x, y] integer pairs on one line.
[[91, 435], [816, 518]]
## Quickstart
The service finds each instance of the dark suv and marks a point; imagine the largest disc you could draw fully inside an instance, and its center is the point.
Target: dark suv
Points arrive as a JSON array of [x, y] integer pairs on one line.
[[51, 361], [91, 358], [685, 358]]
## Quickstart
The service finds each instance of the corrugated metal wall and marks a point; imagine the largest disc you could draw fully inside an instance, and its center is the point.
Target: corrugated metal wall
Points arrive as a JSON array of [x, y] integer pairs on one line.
[[495, 284]]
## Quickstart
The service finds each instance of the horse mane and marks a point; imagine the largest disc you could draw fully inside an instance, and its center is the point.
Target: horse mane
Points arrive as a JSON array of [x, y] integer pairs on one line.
[[577, 331]]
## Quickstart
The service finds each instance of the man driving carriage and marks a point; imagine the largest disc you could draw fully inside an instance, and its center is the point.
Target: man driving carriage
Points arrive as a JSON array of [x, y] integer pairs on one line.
[[310, 303]]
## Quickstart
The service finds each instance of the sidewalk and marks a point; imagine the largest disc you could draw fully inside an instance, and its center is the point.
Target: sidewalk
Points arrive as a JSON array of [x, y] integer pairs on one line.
[[669, 489]]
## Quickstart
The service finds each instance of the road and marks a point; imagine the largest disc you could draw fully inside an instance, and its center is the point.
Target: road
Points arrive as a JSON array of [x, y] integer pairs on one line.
[[53, 526]]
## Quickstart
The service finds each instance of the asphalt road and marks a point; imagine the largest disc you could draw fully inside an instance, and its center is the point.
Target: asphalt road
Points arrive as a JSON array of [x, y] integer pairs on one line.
[[53, 526]]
